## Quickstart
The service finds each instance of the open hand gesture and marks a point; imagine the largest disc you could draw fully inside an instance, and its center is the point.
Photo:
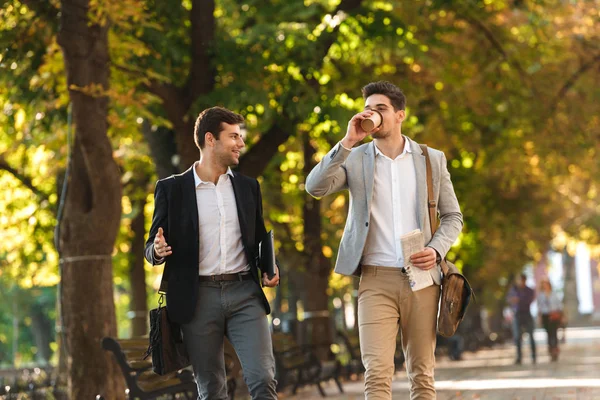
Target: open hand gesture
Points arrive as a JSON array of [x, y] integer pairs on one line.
[[161, 248]]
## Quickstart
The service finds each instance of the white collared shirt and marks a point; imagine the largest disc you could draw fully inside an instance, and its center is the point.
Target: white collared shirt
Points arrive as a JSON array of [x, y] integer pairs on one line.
[[393, 208], [220, 235]]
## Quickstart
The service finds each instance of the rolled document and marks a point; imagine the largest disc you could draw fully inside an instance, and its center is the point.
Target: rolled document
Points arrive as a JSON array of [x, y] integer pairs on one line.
[[413, 242]]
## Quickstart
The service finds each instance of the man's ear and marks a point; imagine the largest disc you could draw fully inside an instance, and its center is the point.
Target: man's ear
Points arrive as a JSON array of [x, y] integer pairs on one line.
[[401, 115], [209, 138]]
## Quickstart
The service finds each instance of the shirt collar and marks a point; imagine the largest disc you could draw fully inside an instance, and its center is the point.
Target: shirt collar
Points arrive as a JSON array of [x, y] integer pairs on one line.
[[198, 180], [406, 149]]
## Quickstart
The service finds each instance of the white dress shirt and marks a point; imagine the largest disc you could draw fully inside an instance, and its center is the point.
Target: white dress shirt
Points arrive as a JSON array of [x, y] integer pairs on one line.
[[393, 209], [221, 247]]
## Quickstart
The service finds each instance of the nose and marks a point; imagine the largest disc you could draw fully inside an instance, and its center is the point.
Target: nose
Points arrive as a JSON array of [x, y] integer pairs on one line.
[[242, 144]]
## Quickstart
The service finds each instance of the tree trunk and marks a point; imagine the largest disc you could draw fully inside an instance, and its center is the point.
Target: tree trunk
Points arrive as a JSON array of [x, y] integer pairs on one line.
[[137, 274], [92, 211], [316, 301], [162, 149], [570, 301], [42, 330], [15, 332]]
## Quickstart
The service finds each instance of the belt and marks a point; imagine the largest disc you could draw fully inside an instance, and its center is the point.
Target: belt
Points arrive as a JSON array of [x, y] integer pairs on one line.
[[387, 269], [240, 276]]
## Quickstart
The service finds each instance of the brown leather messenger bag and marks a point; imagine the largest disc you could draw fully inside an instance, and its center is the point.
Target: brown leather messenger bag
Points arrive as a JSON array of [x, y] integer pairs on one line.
[[456, 290]]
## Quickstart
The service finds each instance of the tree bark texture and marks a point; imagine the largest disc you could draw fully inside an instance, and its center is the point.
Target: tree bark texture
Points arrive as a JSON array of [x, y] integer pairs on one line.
[[318, 326], [92, 211], [42, 330], [162, 149], [570, 300], [137, 274]]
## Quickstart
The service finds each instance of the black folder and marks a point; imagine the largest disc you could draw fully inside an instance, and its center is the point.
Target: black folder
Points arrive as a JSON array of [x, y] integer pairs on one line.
[[266, 255]]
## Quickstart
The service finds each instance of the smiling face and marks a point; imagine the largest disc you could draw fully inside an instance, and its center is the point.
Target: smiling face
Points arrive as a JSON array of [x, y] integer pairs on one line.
[[227, 148], [392, 119]]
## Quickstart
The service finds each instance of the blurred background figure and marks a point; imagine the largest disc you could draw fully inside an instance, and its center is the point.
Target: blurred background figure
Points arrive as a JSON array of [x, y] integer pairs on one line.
[[550, 308], [520, 298]]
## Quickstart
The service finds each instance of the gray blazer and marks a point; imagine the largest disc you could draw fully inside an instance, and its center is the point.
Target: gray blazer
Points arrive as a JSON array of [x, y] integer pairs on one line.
[[354, 170]]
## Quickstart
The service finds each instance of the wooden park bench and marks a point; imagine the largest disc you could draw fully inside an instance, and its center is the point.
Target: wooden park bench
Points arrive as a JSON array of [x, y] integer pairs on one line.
[[142, 383], [299, 365], [354, 365]]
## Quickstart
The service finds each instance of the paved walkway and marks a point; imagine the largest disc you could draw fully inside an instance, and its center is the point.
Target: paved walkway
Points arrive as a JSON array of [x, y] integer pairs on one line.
[[491, 374]]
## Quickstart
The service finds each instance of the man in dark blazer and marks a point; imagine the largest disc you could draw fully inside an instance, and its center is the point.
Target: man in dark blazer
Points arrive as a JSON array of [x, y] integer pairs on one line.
[[206, 226]]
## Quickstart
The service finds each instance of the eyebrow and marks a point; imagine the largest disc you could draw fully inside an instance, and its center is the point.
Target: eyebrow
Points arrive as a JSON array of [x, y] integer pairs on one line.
[[237, 134], [378, 105]]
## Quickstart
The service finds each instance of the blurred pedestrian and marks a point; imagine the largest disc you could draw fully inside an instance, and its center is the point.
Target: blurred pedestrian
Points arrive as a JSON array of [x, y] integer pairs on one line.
[[520, 297], [551, 313]]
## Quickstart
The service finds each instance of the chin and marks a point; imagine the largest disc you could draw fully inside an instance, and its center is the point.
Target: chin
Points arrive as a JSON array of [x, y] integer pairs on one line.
[[380, 135]]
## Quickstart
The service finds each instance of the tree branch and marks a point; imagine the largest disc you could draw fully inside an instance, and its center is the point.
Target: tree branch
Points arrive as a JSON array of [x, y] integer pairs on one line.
[[254, 162], [24, 179], [571, 81], [258, 157], [329, 38], [44, 9], [201, 75], [489, 35], [173, 100]]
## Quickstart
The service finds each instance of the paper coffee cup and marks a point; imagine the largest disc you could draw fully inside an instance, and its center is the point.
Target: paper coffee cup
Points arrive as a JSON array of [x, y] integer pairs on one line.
[[374, 121]]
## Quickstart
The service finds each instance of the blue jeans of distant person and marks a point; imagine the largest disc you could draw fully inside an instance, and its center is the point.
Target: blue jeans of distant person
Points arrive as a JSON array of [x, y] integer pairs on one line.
[[523, 323]]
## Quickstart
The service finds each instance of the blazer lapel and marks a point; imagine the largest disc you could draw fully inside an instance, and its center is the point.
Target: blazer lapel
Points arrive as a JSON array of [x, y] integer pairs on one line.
[[239, 190], [421, 176], [369, 172], [188, 194]]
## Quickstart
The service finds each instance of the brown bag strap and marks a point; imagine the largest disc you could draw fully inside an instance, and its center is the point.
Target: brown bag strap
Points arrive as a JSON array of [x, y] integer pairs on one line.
[[431, 203]]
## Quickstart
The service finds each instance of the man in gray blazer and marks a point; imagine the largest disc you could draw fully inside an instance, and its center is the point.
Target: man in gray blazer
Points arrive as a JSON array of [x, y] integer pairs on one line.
[[388, 198]]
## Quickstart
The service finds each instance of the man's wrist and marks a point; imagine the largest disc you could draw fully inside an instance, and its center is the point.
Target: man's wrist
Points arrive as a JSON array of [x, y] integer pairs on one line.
[[157, 258], [438, 257], [347, 144]]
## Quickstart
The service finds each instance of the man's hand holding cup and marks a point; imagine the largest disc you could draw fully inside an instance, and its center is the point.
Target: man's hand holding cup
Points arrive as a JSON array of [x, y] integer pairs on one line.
[[362, 124]]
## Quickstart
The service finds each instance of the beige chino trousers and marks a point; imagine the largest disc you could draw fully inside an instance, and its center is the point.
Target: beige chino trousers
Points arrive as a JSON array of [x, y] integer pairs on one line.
[[386, 302]]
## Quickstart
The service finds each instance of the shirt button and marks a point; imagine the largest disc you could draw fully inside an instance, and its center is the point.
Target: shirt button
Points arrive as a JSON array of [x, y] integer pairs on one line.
[[367, 224]]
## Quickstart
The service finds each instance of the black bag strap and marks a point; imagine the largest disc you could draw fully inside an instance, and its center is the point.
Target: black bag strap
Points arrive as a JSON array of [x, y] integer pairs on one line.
[[431, 203]]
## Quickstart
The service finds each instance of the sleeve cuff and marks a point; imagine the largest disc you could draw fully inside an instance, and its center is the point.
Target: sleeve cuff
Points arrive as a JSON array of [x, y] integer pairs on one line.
[[157, 260], [438, 257], [344, 147]]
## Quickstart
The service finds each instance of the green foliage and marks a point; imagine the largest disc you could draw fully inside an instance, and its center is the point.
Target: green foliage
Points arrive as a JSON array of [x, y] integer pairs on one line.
[[508, 90]]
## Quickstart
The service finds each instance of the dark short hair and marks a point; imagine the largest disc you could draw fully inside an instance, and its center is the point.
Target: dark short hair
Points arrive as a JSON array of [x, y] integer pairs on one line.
[[523, 277], [388, 89], [210, 120]]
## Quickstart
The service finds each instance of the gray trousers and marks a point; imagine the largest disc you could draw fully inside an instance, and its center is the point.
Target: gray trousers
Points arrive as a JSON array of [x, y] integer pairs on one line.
[[233, 309]]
